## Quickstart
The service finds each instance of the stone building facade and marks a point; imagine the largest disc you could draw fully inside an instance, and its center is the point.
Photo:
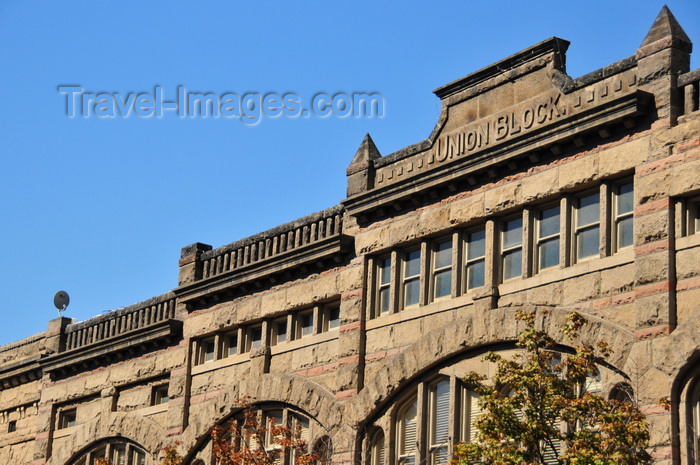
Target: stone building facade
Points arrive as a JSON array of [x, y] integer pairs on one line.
[[534, 191]]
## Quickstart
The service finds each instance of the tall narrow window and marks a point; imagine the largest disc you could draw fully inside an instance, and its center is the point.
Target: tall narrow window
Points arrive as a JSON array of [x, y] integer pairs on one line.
[[330, 316], [512, 248], [376, 449], [623, 215], [304, 324], [411, 278], [299, 424], [476, 259], [442, 269], [547, 241], [470, 412], [406, 441], [118, 454], [383, 295], [439, 422], [587, 226]]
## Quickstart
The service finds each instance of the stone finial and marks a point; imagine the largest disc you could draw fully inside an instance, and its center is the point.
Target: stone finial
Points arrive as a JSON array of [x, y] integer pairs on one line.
[[361, 170], [665, 33]]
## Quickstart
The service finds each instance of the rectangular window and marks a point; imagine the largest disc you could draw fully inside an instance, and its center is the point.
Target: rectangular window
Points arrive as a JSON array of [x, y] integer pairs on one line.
[[439, 422], [330, 317], [12, 426], [67, 419], [383, 294], [207, 350], [623, 215], [304, 324], [253, 338], [410, 278], [441, 280], [586, 229], [407, 433], [271, 418], [476, 259], [512, 248], [160, 395], [230, 344], [279, 331], [469, 413], [547, 239]]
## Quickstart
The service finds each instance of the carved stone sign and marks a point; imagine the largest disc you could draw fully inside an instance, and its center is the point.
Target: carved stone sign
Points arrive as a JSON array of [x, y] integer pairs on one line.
[[508, 125]]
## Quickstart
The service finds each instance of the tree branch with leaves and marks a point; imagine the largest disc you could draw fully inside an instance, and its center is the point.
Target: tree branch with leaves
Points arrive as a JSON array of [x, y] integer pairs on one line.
[[536, 408]]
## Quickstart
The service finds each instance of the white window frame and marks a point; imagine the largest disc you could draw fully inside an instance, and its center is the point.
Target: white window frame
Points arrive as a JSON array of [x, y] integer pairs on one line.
[[577, 229], [619, 217], [511, 249], [540, 239], [436, 271], [475, 260], [407, 279]]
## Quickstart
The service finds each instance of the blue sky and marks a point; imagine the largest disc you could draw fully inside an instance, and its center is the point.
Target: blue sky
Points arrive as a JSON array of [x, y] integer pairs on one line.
[[100, 207]]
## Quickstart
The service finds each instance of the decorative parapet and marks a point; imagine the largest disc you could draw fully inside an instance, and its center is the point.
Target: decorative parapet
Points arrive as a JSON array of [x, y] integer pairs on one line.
[[115, 335], [689, 86], [492, 125], [121, 321], [312, 240]]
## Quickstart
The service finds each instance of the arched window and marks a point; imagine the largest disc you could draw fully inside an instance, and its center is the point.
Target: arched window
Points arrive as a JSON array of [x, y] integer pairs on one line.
[[438, 414], [118, 450], [376, 448], [253, 432], [470, 412], [407, 432]]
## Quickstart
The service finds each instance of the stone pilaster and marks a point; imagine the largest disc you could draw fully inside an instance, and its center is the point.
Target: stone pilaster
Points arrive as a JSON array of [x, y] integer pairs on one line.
[[351, 343], [191, 263]]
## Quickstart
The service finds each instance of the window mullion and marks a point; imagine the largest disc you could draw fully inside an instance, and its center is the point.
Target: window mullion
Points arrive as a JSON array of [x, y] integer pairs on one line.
[[527, 242], [566, 233], [492, 263], [424, 270], [456, 265], [606, 223], [422, 429], [396, 283]]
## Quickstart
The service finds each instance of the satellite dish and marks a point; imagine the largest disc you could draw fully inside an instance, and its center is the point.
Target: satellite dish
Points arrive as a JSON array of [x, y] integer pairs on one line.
[[61, 301]]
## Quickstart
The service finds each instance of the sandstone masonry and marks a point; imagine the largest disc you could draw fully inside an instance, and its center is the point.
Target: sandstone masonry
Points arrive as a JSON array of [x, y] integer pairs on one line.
[[356, 323]]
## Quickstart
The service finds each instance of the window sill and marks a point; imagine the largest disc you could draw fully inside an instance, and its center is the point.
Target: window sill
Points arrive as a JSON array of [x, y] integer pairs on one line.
[[688, 242], [152, 409], [414, 312], [554, 274], [63, 432], [221, 363], [305, 341]]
